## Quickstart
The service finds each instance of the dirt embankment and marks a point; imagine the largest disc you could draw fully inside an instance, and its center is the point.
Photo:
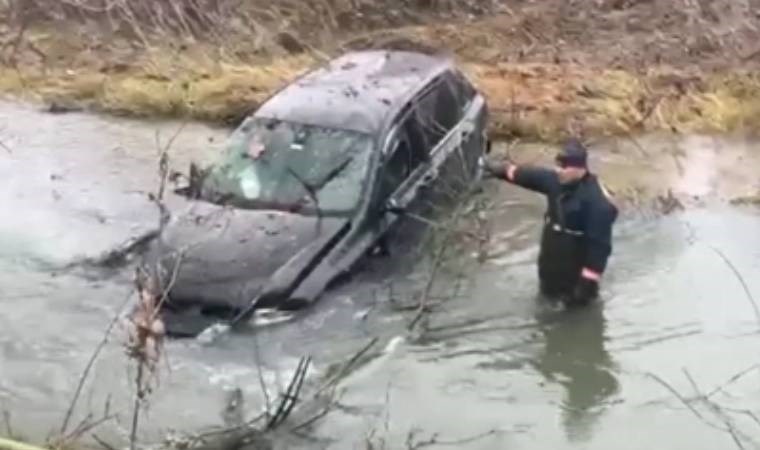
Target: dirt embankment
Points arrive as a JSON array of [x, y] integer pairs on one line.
[[547, 67]]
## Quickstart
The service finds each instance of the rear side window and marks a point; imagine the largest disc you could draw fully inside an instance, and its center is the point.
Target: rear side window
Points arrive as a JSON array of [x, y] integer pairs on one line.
[[463, 90], [406, 154], [438, 112], [397, 168]]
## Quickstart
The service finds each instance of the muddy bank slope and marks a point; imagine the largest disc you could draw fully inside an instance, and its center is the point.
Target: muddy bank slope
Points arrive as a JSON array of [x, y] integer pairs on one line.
[[605, 67]]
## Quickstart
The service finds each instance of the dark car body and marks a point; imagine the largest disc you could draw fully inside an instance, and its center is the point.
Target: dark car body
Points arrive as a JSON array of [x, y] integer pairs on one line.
[[408, 118]]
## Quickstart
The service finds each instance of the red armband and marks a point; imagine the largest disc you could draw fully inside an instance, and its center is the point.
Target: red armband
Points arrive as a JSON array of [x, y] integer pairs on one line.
[[511, 169], [591, 275]]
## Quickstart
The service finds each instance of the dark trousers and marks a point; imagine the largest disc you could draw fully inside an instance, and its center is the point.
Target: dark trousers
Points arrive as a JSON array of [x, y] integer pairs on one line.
[[560, 262]]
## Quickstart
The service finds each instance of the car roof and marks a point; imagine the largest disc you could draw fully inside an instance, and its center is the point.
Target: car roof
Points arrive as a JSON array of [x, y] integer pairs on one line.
[[356, 91]]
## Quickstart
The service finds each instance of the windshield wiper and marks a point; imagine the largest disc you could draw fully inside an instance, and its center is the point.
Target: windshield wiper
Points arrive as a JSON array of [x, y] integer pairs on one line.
[[334, 173], [312, 189]]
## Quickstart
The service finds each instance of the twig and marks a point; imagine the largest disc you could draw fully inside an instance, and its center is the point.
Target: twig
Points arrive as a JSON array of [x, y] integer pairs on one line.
[[290, 396], [346, 367], [312, 420], [264, 391], [741, 280], [439, 226], [678, 395], [331, 383], [247, 425], [745, 412], [83, 428], [136, 410], [438, 259], [732, 380], [729, 426], [102, 442], [91, 362], [5, 147], [169, 286], [163, 165], [387, 422], [433, 440], [145, 341], [7, 422]]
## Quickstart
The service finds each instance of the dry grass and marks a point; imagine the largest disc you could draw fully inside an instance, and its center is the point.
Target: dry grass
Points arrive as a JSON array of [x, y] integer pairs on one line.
[[538, 100], [542, 97], [160, 86], [547, 101]]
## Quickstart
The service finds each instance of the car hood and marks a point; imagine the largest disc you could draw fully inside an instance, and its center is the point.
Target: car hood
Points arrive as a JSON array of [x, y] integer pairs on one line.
[[221, 256]]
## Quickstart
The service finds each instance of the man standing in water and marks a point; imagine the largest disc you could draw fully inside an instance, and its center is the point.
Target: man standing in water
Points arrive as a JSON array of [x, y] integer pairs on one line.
[[577, 235]]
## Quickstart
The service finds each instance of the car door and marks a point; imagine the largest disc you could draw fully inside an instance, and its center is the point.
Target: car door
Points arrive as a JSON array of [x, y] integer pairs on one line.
[[426, 164], [445, 133], [473, 123], [401, 175]]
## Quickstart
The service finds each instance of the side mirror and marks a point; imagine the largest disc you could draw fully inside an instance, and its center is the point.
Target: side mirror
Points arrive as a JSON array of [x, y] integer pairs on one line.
[[488, 146], [194, 180], [392, 206]]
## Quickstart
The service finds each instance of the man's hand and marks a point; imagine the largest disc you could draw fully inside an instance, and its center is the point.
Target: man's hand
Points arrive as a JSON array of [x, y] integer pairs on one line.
[[495, 169]]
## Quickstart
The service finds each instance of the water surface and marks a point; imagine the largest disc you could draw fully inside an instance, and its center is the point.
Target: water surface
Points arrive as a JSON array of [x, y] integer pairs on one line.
[[496, 368]]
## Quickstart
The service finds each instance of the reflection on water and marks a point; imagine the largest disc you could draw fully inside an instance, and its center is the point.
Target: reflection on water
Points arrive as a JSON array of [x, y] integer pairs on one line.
[[575, 357]]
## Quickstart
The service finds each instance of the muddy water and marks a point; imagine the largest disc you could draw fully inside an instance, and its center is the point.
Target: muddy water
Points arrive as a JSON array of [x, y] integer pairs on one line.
[[497, 368]]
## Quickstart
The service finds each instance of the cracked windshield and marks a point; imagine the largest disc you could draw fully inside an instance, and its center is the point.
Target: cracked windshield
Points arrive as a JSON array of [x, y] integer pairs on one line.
[[282, 165], [189, 263]]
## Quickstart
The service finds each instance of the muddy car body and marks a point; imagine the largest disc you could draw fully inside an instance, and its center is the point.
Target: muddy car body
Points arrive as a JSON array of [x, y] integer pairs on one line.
[[314, 179]]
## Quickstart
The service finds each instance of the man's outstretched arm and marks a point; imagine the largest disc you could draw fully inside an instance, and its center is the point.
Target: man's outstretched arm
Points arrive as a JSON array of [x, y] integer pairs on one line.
[[538, 179]]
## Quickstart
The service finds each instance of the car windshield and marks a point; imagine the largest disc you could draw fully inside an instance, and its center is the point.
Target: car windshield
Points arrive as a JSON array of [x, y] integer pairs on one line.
[[272, 164]]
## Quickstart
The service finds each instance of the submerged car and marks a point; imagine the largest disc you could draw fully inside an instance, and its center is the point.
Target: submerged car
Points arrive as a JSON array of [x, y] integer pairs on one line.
[[314, 180]]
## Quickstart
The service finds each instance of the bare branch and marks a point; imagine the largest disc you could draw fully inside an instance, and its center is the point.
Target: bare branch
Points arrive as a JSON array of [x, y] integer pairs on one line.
[[5, 147], [262, 384], [433, 440], [91, 362], [732, 380], [741, 280], [677, 394], [290, 397]]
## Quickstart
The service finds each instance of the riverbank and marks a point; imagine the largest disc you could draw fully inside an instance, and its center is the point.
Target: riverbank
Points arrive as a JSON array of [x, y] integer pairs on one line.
[[609, 72], [533, 101]]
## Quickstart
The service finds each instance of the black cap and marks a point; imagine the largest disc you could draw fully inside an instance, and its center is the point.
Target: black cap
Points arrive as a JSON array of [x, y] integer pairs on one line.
[[572, 154]]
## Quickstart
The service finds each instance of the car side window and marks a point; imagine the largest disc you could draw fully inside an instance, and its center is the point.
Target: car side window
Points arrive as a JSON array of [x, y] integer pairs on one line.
[[438, 112], [463, 90], [397, 167], [413, 134]]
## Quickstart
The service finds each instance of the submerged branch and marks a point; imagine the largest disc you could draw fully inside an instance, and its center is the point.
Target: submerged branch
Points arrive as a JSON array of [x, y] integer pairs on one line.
[[733, 379], [728, 425], [291, 395], [5, 147], [741, 280], [678, 395], [434, 440]]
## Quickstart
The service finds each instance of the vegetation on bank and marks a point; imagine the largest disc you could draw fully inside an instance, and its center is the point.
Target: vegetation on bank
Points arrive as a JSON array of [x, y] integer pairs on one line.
[[527, 100], [216, 60]]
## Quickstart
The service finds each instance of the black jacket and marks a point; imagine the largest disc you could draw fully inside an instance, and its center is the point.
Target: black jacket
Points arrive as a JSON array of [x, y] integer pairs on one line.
[[582, 209]]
